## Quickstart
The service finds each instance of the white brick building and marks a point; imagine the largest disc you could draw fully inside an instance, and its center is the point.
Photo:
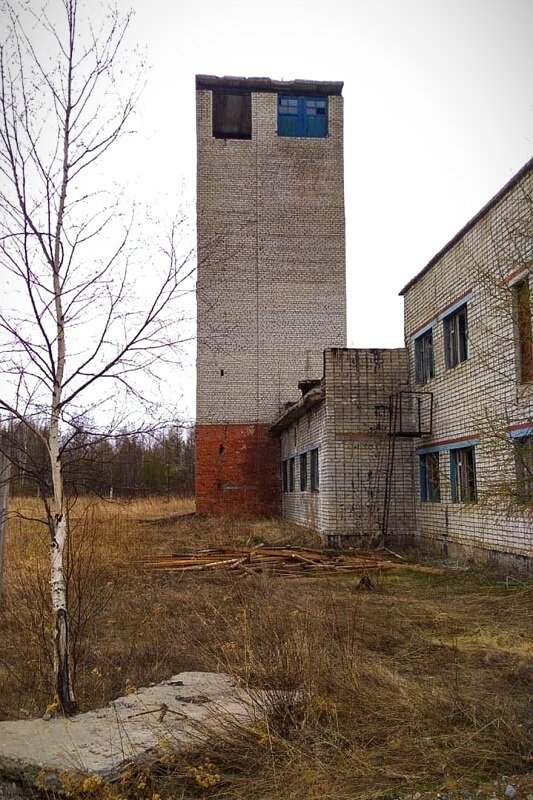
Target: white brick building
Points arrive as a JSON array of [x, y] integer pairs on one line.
[[456, 479], [431, 444], [469, 334]]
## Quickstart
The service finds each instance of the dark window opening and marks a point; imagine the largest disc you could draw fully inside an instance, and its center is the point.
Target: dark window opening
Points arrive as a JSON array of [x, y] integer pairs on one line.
[[456, 337], [291, 475], [305, 117], [524, 333], [315, 476], [463, 475], [285, 475], [430, 478], [424, 368], [221, 449], [232, 115], [524, 469], [303, 472], [221, 373]]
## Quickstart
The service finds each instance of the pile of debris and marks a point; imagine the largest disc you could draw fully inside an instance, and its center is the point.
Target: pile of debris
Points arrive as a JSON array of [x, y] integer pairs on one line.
[[283, 561]]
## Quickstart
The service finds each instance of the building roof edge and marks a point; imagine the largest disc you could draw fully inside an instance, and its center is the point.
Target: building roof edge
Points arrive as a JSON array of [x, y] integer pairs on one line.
[[459, 235], [269, 85]]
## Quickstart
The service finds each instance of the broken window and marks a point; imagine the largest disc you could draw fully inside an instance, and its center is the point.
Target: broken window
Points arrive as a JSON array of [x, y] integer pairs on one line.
[[305, 117], [463, 475], [430, 477], [524, 468], [232, 115], [424, 369], [303, 472], [455, 337], [524, 334], [291, 475], [315, 476]]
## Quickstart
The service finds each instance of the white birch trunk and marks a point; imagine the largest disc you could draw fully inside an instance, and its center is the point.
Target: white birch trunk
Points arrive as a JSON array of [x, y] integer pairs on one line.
[[5, 474], [59, 529]]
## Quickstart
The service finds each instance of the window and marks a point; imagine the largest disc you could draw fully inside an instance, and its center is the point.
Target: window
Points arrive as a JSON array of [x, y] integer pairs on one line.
[[303, 472], [291, 475], [232, 115], [463, 475], [524, 334], [315, 477], [524, 468], [285, 475], [429, 478], [455, 337], [424, 357], [306, 117]]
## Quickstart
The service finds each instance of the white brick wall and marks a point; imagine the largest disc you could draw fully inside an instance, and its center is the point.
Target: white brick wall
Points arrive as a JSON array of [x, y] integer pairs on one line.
[[480, 398], [351, 427], [271, 262]]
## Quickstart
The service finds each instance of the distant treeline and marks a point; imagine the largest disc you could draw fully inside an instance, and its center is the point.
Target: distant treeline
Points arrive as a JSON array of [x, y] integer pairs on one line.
[[126, 465]]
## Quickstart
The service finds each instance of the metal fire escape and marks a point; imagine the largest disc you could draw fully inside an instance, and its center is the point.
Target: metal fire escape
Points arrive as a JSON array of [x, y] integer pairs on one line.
[[410, 417]]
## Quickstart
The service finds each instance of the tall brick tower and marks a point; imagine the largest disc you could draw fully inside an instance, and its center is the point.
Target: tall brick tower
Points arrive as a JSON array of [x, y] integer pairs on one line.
[[271, 272]]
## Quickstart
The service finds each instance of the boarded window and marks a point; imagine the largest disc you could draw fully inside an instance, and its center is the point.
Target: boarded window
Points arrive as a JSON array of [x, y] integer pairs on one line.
[[232, 115], [305, 117], [524, 333]]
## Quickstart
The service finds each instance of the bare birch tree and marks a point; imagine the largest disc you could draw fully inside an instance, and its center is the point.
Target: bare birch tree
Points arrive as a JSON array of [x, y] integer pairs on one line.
[[76, 332]]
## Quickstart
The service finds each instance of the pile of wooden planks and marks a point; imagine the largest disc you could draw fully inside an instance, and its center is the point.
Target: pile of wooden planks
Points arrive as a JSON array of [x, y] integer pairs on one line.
[[284, 561]]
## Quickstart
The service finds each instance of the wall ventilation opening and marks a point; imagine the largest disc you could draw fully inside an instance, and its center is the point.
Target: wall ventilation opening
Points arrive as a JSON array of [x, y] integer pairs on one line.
[[221, 449], [221, 373]]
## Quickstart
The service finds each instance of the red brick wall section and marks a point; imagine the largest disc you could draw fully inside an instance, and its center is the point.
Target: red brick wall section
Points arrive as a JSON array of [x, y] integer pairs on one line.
[[237, 469]]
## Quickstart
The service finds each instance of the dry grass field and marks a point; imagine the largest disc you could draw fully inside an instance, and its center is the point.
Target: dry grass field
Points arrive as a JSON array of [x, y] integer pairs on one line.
[[424, 681]]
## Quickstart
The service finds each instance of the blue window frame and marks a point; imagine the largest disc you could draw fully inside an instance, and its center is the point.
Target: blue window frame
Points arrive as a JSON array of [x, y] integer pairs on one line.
[[305, 117], [523, 450], [456, 337], [424, 366], [463, 475], [430, 477]]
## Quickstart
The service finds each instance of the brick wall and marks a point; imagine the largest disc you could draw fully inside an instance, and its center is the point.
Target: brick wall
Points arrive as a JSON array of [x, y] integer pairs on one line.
[[237, 470], [351, 428], [307, 433], [271, 274], [271, 262], [480, 398]]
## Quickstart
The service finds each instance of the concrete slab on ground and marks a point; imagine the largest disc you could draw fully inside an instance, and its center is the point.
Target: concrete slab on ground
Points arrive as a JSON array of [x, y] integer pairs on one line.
[[183, 711]]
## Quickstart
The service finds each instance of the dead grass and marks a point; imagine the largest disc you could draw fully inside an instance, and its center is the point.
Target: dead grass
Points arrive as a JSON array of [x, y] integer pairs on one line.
[[423, 680]]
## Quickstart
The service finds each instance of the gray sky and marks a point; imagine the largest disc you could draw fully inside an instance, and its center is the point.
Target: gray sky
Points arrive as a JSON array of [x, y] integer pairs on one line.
[[438, 102]]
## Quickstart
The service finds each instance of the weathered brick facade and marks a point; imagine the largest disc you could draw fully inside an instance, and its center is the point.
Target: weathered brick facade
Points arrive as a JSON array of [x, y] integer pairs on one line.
[[271, 270], [349, 424], [480, 402], [239, 470], [271, 314]]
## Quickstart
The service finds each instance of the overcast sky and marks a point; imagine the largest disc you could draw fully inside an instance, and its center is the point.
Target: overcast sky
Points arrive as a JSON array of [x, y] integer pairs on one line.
[[438, 104], [438, 110]]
